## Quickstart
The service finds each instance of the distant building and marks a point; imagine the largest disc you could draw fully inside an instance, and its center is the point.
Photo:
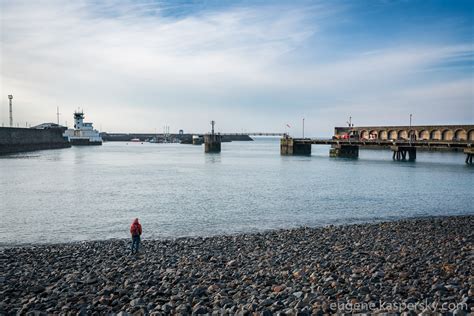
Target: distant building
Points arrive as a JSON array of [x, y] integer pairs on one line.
[[181, 132], [48, 126]]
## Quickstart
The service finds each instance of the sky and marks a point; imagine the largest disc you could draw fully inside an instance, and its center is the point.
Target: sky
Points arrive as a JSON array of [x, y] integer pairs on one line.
[[252, 66]]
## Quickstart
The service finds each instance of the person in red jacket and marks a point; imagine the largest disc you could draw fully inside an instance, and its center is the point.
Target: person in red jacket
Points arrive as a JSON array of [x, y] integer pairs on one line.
[[136, 232]]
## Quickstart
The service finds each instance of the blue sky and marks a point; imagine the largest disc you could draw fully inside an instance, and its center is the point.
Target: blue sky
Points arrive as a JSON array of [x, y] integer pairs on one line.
[[251, 66]]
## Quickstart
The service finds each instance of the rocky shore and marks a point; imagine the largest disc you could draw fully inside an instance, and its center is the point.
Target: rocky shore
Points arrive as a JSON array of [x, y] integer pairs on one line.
[[418, 264]]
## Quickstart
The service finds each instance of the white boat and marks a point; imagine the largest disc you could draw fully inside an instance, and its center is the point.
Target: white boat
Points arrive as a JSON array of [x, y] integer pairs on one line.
[[198, 140], [83, 133]]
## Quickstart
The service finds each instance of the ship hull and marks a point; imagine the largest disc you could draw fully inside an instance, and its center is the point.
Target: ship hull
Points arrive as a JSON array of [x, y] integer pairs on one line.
[[84, 142]]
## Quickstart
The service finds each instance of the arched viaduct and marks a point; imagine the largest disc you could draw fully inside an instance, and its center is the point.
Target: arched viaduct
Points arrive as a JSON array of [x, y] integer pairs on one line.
[[429, 133]]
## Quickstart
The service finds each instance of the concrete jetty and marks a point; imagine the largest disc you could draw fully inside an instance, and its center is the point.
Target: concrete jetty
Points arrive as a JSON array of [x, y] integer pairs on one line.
[[212, 142], [15, 140], [402, 140]]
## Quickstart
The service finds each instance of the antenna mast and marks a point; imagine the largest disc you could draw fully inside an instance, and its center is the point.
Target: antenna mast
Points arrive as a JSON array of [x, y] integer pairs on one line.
[[57, 114]]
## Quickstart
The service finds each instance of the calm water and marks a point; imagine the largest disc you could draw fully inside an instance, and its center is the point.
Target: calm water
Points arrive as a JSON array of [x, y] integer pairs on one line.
[[86, 193]]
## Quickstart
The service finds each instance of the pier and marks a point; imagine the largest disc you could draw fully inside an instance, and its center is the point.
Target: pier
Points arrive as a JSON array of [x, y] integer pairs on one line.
[[403, 141], [402, 149], [446, 133], [212, 142], [16, 140]]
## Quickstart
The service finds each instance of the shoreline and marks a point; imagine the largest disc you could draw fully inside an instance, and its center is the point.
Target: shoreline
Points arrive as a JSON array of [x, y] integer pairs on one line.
[[264, 231], [419, 261]]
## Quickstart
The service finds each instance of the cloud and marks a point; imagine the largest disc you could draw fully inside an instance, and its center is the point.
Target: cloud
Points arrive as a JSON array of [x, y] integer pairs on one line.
[[133, 66]]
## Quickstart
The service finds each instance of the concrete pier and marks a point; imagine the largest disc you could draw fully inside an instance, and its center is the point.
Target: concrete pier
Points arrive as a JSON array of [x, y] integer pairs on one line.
[[446, 133], [212, 143], [469, 155], [400, 153], [15, 140], [344, 151], [288, 146], [402, 140]]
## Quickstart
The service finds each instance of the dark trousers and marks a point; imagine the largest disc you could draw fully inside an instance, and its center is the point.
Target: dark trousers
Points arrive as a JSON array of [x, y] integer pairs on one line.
[[135, 243]]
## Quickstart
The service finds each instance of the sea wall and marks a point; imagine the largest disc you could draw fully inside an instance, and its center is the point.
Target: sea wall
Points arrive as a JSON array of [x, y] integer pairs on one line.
[[14, 140], [184, 138]]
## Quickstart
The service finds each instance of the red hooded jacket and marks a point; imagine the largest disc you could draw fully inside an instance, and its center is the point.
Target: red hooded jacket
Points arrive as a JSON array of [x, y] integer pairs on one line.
[[136, 228]]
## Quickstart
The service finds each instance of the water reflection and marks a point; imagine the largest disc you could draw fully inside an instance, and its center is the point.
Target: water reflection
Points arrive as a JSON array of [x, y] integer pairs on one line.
[[213, 158]]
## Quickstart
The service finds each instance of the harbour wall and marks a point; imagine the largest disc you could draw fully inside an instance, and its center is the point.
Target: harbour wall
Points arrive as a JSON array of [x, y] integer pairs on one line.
[[185, 138], [14, 140]]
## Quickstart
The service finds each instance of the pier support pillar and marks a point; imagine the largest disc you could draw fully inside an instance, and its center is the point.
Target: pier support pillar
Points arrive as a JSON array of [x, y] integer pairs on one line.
[[469, 155], [290, 146], [212, 143], [344, 151], [401, 153]]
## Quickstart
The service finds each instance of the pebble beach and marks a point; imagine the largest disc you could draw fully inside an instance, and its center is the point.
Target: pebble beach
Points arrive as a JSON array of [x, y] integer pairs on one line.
[[413, 266]]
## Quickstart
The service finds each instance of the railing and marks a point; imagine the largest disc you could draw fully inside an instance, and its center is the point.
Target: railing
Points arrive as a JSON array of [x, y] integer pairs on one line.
[[254, 134], [388, 142]]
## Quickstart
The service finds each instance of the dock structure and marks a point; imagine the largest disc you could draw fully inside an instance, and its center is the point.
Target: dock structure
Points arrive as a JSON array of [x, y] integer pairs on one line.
[[469, 155], [421, 132], [402, 142], [346, 151], [212, 142], [402, 149], [400, 152], [291, 146]]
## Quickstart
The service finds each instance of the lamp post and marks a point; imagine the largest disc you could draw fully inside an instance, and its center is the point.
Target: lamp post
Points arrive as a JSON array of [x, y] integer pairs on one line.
[[10, 98], [303, 127], [411, 132], [57, 115]]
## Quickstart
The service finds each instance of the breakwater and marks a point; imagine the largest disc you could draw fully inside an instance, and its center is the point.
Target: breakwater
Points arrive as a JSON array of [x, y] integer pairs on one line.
[[184, 138], [419, 264], [14, 140]]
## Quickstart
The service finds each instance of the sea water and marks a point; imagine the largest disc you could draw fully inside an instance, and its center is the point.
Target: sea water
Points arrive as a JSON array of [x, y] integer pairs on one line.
[[92, 193]]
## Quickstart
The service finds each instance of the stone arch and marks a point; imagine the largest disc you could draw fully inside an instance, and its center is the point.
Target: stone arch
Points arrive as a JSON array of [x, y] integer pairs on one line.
[[373, 134], [383, 135], [392, 134], [364, 134], [460, 134], [413, 134], [435, 135], [424, 135], [402, 134], [448, 134], [470, 135]]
